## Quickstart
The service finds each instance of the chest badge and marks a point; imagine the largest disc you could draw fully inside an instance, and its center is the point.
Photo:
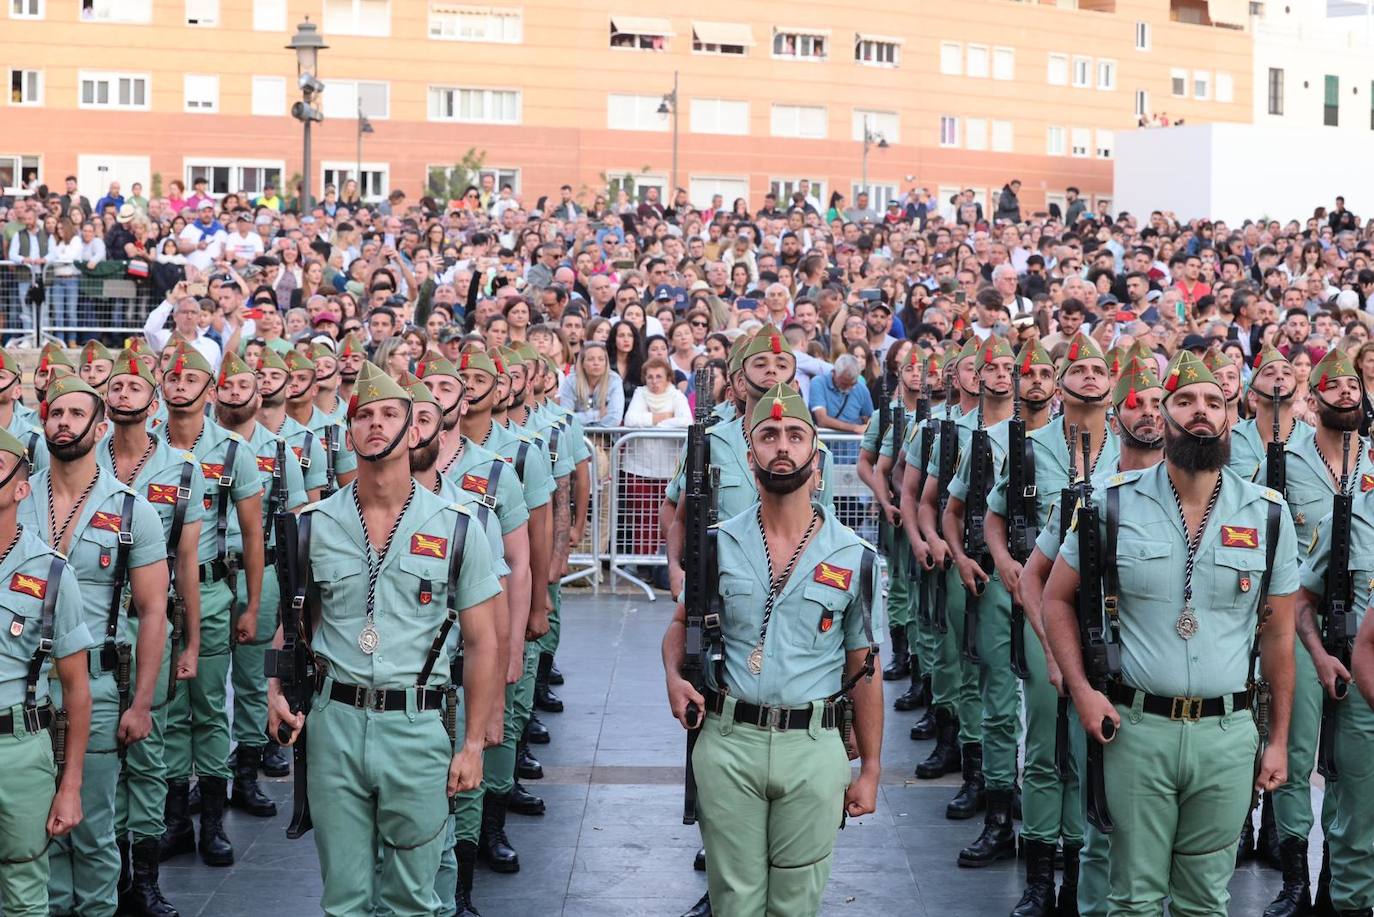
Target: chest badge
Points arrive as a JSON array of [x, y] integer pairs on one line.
[[267, 463], [474, 484], [827, 621], [837, 577], [429, 546], [1235, 536], [29, 585], [107, 521], [162, 493], [1300, 519], [1366, 483], [1244, 582], [16, 626]]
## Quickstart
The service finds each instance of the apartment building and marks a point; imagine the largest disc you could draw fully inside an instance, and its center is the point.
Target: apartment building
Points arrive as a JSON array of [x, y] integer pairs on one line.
[[949, 95]]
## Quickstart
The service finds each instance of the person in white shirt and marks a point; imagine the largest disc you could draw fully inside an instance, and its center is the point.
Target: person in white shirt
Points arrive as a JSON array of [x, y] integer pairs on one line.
[[185, 325], [202, 241], [243, 245]]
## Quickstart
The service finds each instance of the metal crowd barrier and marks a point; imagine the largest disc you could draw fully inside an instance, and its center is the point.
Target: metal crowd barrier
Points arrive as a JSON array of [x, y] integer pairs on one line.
[[70, 304]]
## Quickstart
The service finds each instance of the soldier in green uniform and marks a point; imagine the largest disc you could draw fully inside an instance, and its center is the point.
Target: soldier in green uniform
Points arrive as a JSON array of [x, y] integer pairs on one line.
[[380, 556], [1316, 466], [96, 365], [112, 538], [237, 400], [46, 637], [1227, 374], [1181, 765], [17, 419], [1251, 437], [1362, 667], [198, 718], [327, 380], [352, 356], [170, 481], [340, 463], [797, 636]]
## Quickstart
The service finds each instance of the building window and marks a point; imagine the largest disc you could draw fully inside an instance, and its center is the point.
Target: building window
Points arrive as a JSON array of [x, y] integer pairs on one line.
[[269, 15], [16, 172], [1178, 82], [26, 87], [26, 9], [202, 92], [1275, 91], [784, 188], [1371, 106], [1106, 74], [1142, 36], [269, 96], [801, 45], [878, 194], [499, 25], [1001, 136], [719, 116], [1202, 85], [117, 10], [975, 133], [638, 33], [1331, 103], [476, 106], [949, 130], [951, 58], [371, 18], [1226, 89], [1080, 138], [343, 99], [1003, 64], [635, 113], [202, 12], [1105, 141], [113, 90], [444, 181], [372, 183], [732, 38], [804, 121], [1142, 103], [1054, 141], [884, 124], [876, 52], [230, 177], [1058, 74], [977, 60], [1082, 72]]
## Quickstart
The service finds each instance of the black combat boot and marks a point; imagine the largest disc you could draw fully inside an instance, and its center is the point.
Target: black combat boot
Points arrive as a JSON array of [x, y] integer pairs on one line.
[[545, 699], [998, 840], [523, 802], [126, 873], [215, 849], [971, 798], [275, 760], [1068, 888], [1321, 899], [527, 767], [1295, 895], [925, 727], [246, 795], [699, 861], [193, 797], [944, 757], [1355, 912], [555, 676], [144, 897], [180, 835], [466, 851], [1267, 842], [701, 909], [493, 845], [900, 666], [1038, 898], [536, 733], [918, 695]]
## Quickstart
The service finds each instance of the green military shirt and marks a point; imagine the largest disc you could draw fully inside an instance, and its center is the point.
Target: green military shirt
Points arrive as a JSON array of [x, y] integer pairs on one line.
[[1048, 539], [412, 587], [547, 428], [912, 445], [307, 448], [26, 429], [491, 523], [264, 446], [869, 441], [575, 436], [535, 479], [1314, 565], [1308, 489], [538, 440], [243, 481], [725, 411], [24, 584], [159, 479], [330, 431], [1150, 557], [94, 545], [1247, 449], [738, 488], [1051, 449], [817, 617], [472, 470]]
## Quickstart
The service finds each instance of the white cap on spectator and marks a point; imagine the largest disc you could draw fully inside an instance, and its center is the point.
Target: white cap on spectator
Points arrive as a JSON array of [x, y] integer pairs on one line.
[[126, 214]]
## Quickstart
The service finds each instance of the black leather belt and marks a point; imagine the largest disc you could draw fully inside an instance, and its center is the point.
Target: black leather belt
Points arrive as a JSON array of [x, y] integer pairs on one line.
[[217, 570], [765, 717], [1177, 708], [384, 700], [34, 719]]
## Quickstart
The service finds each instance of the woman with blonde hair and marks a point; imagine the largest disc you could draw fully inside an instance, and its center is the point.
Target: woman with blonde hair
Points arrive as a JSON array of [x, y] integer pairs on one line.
[[393, 356]]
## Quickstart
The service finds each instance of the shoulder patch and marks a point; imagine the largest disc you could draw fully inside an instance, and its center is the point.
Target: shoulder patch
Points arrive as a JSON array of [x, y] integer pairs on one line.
[[1272, 495]]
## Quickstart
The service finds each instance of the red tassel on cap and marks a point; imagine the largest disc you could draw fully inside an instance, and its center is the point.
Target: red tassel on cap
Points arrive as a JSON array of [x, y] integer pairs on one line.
[[43, 410], [499, 367], [43, 364], [463, 363], [1131, 400], [776, 343], [419, 370], [352, 406], [777, 409], [1258, 358], [180, 364], [1171, 383], [1321, 384], [1073, 352], [90, 355], [1116, 365], [1025, 367], [223, 376]]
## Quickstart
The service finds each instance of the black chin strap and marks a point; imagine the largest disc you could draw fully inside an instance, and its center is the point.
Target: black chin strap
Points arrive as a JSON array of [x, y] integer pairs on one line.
[[279, 389], [1086, 399], [78, 438], [124, 412], [182, 405], [390, 447]]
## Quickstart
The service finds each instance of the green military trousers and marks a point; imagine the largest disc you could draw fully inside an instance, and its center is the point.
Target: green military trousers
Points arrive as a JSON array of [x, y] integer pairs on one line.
[[1051, 808], [1350, 830], [247, 661], [377, 779], [27, 776], [198, 717], [464, 825], [921, 637], [770, 807], [901, 592], [549, 642], [998, 687], [498, 763], [955, 680], [84, 865], [142, 793], [1293, 801], [1178, 791]]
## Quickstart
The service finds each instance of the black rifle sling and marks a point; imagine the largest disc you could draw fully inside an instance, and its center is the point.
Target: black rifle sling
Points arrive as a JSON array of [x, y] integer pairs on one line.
[[276, 502], [188, 468], [307, 440], [712, 637], [225, 483], [520, 454], [1271, 533], [45, 630], [1111, 580], [866, 599], [121, 567], [31, 450], [1031, 500], [330, 449], [455, 568], [304, 626]]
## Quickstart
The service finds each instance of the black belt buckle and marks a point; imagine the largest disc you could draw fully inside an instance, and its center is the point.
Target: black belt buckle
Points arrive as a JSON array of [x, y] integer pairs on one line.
[[32, 719], [1186, 708], [369, 698]]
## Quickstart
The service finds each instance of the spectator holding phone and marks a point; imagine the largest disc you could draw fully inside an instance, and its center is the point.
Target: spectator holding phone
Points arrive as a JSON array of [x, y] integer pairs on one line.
[[184, 310]]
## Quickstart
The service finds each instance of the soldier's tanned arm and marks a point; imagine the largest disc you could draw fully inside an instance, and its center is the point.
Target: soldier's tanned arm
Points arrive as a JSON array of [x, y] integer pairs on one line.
[[581, 499], [148, 584], [250, 523], [188, 571], [680, 690], [65, 812], [541, 551], [1362, 659], [517, 542], [1061, 627], [481, 687], [928, 525], [1277, 663]]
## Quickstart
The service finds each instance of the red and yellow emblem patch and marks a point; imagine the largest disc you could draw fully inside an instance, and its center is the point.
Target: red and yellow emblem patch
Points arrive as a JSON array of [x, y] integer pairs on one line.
[[473, 483], [429, 545], [211, 471], [299, 450], [107, 521], [837, 577], [29, 585], [1234, 536], [1366, 483], [267, 463], [162, 493]]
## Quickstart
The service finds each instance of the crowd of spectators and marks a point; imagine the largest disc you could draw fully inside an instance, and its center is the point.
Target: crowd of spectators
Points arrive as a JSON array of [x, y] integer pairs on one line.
[[631, 297]]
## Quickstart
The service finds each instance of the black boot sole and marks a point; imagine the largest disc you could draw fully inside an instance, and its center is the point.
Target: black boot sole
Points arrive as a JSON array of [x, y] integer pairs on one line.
[[935, 772], [907, 702], [180, 845], [529, 773], [219, 860], [1006, 853], [548, 706], [537, 735], [923, 731], [283, 771], [257, 811], [499, 866], [891, 674]]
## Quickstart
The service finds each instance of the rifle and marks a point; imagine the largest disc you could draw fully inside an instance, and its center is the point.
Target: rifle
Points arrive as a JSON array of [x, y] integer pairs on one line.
[[1276, 468], [926, 417], [975, 540], [1021, 516], [886, 537], [1068, 498], [1338, 631], [700, 593], [949, 444], [294, 664]]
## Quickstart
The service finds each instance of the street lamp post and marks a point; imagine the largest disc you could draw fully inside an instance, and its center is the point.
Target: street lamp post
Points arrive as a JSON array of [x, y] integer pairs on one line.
[[669, 104], [307, 43], [364, 127], [871, 138]]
